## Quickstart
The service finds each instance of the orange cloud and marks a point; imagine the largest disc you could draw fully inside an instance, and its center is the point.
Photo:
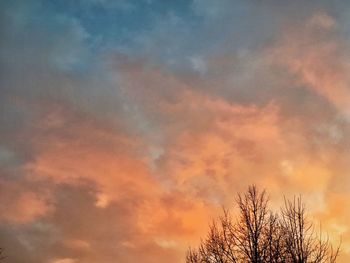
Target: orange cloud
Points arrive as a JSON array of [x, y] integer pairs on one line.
[[84, 149], [316, 54], [21, 205], [160, 173]]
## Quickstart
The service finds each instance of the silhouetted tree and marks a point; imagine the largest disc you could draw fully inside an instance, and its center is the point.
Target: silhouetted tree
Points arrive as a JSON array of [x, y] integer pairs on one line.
[[258, 235], [302, 244]]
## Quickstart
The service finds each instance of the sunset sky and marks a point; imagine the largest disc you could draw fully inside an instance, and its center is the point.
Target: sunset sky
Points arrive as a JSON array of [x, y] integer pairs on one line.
[[126, 126]]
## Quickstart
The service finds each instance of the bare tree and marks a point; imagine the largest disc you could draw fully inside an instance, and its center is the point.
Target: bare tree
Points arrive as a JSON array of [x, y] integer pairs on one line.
[[258, 235], [274, 251], [254, 236], [216, 247], [253, 219], [193, 256], [302, 243]]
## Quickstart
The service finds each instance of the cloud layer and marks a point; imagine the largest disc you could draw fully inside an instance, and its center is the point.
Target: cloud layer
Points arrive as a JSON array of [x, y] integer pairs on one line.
[[125, 126]]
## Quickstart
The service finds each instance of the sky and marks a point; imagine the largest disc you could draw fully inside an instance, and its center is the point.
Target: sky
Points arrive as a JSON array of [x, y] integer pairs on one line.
[[126, 126]]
